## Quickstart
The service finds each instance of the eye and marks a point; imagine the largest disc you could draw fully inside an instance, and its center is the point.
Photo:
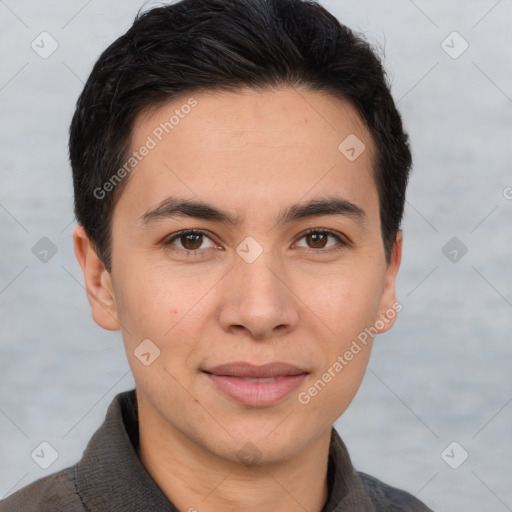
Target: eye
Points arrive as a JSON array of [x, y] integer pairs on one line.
[[189, 241], [318, 240]]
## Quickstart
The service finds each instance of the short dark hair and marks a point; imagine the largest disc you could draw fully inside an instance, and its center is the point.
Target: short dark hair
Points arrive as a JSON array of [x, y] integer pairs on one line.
[[205, 45]]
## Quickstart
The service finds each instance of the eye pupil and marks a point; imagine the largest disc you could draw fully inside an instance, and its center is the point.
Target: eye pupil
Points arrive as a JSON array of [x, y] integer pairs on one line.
[[319, 239], [193, 238]]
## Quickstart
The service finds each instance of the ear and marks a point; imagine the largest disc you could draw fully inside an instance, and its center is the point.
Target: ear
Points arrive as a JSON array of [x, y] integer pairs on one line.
[[98, 282], [389, 306]]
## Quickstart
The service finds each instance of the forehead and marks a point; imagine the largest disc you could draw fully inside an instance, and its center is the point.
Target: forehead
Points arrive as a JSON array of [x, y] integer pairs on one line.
[[246, 146], [231, 116]]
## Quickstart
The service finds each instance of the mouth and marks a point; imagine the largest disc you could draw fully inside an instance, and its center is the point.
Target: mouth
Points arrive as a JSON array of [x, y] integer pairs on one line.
[[256, 386]]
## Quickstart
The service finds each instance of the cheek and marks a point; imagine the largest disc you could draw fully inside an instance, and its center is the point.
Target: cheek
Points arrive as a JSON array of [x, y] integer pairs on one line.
[[166, 307], [150, 308], [148, 304], [330, 393], [345, 301]]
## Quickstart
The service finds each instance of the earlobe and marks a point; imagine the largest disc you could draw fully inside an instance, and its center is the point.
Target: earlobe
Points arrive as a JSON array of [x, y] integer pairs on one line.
[[98, 282], [389, 305]]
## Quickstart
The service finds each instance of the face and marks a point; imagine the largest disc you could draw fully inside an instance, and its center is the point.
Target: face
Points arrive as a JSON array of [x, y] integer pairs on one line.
[[241, 290]]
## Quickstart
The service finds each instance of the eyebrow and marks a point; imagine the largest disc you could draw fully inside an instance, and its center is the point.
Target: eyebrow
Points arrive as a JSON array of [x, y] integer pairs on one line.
[[173, 207]]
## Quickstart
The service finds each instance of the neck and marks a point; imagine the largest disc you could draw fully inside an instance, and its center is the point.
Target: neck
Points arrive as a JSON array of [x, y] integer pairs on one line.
[[196, 480]]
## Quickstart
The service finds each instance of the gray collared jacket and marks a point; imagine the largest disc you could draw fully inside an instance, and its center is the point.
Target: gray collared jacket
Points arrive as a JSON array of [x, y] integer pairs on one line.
[[111, 478]]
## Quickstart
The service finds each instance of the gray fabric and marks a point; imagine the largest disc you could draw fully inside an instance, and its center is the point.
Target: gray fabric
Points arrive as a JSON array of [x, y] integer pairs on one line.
[[111, 478]]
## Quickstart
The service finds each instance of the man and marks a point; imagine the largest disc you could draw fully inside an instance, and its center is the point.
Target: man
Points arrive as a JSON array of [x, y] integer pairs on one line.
[[240, 172]]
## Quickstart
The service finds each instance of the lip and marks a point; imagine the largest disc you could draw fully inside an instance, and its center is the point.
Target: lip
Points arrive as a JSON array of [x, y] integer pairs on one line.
[[232, 380], [243, 369]]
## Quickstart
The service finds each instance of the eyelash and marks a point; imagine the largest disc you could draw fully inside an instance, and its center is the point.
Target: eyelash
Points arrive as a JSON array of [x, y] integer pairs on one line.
[[189, 252]]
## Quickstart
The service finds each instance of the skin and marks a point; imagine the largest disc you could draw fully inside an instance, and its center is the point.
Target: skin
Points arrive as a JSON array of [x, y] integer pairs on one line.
[[252, 154]]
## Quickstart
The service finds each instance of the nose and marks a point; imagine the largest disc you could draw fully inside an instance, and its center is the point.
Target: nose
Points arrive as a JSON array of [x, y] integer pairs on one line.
[[257, 300]]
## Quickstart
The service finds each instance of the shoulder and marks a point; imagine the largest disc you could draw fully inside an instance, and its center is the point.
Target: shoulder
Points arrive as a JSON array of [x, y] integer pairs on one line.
[[53, 493], [388, 498]]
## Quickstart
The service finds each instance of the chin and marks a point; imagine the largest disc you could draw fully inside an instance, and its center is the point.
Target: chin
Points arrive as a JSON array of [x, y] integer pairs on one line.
[[263, 442]]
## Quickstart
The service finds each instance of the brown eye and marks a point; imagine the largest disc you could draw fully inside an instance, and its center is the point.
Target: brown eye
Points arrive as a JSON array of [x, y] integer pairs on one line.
[[317, 239], [190, 242]]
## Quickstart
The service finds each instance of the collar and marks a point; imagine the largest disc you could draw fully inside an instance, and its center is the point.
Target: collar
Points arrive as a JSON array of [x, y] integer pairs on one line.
[[110, 475]]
